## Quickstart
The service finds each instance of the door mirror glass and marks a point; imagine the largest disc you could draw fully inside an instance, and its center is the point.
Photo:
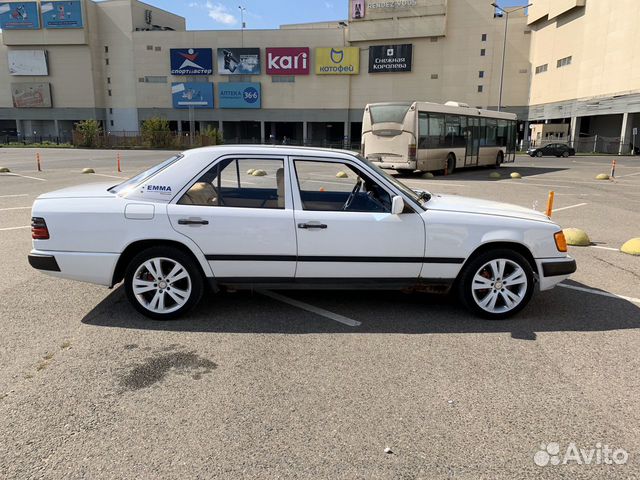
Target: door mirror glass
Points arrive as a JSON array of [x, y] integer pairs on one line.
[[397, 205]]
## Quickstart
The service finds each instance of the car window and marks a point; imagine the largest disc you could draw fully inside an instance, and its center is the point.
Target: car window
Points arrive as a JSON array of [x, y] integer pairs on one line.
[[336, 186], [141, 177], [240, 183]]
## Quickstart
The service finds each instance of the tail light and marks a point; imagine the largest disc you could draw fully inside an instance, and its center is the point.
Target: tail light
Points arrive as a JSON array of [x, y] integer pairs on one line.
[[39, 230], [412, 152]]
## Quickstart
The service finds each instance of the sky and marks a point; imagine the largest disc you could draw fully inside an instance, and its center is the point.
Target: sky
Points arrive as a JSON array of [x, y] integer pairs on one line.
[[225, 14]]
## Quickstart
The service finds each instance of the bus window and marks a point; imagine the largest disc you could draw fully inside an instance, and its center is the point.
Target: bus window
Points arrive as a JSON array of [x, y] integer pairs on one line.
[[503, 133], [436, 131], [423, 130], [388, 113], [482, 132], [491, 132], [455, 131]]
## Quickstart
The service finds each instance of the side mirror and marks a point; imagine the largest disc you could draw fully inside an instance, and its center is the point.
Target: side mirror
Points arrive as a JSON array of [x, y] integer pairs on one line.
[[397, 205]]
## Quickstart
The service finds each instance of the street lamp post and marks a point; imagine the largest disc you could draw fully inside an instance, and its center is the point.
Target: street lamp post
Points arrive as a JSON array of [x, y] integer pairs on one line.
[[504, 46], [242, 25]]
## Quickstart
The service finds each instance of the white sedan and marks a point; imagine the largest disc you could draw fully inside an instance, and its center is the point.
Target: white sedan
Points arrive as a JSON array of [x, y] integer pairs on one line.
[[286, 217]]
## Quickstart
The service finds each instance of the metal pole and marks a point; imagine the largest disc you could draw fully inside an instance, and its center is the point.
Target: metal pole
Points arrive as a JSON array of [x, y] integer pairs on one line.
[[504, 55]]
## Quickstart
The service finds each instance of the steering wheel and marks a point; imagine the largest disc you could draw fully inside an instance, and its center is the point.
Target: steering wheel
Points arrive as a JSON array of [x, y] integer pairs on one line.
[[352, 195]]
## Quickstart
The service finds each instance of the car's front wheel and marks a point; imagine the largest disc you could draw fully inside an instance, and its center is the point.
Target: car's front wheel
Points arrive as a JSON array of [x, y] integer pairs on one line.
[[565, 154], [497, 284], [163, 283], [538, 153]]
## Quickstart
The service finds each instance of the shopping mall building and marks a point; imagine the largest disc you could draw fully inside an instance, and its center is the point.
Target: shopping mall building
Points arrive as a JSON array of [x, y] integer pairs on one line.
[[123, 61]]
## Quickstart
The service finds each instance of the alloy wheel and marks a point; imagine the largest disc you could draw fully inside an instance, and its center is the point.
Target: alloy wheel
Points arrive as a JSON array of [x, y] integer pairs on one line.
[[499, 286], [161, 285]]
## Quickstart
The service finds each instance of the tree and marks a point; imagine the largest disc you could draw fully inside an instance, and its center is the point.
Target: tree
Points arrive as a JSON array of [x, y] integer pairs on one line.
[[156, 132], [87, 133]]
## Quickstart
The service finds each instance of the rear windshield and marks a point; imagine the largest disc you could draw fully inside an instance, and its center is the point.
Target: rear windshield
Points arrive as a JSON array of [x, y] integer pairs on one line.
[[141, 177], [389, 113]]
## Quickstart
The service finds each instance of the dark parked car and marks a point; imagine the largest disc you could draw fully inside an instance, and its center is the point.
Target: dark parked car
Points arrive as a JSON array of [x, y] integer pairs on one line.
[[557, 149]]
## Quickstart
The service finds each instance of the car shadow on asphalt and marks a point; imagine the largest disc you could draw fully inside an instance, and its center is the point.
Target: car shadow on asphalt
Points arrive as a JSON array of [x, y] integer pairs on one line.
[[385, 312], [482, 173]]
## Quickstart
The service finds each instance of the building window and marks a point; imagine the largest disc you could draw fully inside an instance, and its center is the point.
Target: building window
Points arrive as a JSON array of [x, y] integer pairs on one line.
[[481, 74], [480, 88], [106, 61], [109, 92], [149, 47], [542, 68], [483, 52], [111, 122], [158, 49], [523, 70], [155, 79], [111, 111], [484, 37], [434, 39], [109, 80], [106, 49], [434, 76], [283, 79], [563, 62]]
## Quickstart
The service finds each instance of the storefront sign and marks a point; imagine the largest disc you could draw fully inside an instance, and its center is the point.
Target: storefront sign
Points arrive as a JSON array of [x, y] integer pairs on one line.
[[288, 61], [19, 16], [390, 58], [192, 95], [238, 61], [239, 95], [191, 61], [27, 62], [357, 9], [31, 95], [62, 14], [392, 5], [338, 61]]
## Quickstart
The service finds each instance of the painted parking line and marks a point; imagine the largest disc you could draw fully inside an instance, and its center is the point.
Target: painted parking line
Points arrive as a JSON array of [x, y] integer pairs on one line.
[[13, 228], [311, 308], [14, 208], [569, 207], [24, 176], [601, 293], [605, 248], [14, 196], [628, 175], [110, 176]]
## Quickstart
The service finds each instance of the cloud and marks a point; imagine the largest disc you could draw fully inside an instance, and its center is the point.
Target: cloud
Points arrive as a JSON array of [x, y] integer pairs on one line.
[[221, 14]]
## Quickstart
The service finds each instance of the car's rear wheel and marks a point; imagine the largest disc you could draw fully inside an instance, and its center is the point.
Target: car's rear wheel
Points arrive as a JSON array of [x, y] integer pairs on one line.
[[163, 283], [450, 167], [565, 154], [538, 153], [499, 159], [497, 284]]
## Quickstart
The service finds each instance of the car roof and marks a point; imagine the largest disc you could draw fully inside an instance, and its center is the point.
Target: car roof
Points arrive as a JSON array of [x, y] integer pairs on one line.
[[270, 150]]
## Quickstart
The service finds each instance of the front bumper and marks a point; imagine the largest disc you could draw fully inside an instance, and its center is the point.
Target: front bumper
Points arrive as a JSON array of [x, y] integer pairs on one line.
[[554, 271]]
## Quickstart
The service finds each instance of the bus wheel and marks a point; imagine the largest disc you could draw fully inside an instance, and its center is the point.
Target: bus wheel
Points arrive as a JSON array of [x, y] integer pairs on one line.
[[451, 165], [499, 159], [404, 171]]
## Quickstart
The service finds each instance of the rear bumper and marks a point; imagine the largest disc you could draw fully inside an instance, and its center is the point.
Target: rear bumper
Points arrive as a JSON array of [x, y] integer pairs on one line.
[[554, 271], [399, 164], [89, 267], [43, 262]]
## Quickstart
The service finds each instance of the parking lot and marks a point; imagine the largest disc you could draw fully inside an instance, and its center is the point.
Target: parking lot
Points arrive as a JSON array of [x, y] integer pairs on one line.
[[319, 384]]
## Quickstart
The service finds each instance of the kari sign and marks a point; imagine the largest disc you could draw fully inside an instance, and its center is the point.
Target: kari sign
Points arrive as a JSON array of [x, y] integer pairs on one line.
[[192, 95], [288, 61], [390, 58], [19, 16], [238, 61], [239, 95], [62, 14], [191, 61], [357, 9]]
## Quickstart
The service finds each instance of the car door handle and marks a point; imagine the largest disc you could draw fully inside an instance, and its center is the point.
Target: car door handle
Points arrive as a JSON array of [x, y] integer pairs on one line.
[[308, 226], [192, 221]]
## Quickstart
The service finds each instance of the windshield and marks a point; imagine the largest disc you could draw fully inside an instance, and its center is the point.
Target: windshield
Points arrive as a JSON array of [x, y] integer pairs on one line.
[[132, 182], [412, 194], [389, 113]]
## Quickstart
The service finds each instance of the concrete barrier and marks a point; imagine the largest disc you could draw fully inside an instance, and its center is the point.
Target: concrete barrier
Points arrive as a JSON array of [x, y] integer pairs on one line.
[[576, 237], [516, 175], [632, 247], [88, 170], [4, 170]]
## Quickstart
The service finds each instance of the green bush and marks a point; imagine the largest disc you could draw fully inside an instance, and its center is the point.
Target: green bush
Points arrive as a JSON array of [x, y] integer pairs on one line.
[[156, 133], [87, 133], [213, 136]]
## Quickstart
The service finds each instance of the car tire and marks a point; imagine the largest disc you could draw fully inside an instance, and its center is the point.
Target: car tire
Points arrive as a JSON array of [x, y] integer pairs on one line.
[[163, 283], [538, 154], [565, 154], [483, 292], [451, 165], [405, 171]]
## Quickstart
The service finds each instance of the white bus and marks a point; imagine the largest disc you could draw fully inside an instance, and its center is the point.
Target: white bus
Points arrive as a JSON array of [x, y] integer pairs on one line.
[[429, 136]]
